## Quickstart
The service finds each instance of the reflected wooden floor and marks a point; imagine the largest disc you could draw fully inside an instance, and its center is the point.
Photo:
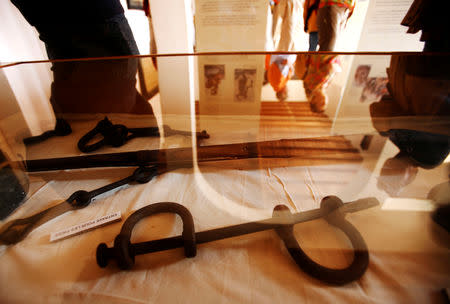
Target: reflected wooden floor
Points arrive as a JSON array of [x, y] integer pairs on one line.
[[292, 120], [306, 134]]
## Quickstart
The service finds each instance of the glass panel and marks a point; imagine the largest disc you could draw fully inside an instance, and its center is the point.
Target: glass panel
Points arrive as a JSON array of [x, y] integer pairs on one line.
[[229, 136]]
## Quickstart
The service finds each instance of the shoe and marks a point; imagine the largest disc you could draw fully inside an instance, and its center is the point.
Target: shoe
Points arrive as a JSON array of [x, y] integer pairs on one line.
[[283, 94], [266, 80], [318, 101]]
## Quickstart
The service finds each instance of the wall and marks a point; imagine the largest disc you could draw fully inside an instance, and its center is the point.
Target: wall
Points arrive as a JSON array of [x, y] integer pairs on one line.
[[8, 100], [30, 83]]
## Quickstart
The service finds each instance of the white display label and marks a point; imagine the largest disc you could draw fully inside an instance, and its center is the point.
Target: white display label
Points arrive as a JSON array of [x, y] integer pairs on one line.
[[83, 227]]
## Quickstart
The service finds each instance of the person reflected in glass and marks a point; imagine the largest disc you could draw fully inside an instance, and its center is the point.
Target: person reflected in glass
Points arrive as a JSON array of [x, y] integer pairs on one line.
[[279, 68], [414, 116], [317, 72]]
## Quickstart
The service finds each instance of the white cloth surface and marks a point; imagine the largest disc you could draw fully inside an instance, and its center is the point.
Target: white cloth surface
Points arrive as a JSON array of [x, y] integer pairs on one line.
[[407, 263]]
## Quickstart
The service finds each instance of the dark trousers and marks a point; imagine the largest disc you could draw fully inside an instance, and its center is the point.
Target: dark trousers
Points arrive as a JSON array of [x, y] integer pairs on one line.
[[313, 41], [94, 86]]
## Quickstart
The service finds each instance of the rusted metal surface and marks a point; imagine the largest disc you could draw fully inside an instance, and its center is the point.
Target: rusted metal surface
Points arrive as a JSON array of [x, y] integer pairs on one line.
[[332, 209]]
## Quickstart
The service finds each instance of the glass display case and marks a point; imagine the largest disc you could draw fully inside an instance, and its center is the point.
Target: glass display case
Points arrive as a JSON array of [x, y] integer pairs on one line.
[[277, 201]]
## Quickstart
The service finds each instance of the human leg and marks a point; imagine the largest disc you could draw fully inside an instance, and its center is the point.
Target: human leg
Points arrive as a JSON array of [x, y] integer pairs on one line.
[[321, 69], [291, 17], [330, 19], [313, 41], [100, 85]]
